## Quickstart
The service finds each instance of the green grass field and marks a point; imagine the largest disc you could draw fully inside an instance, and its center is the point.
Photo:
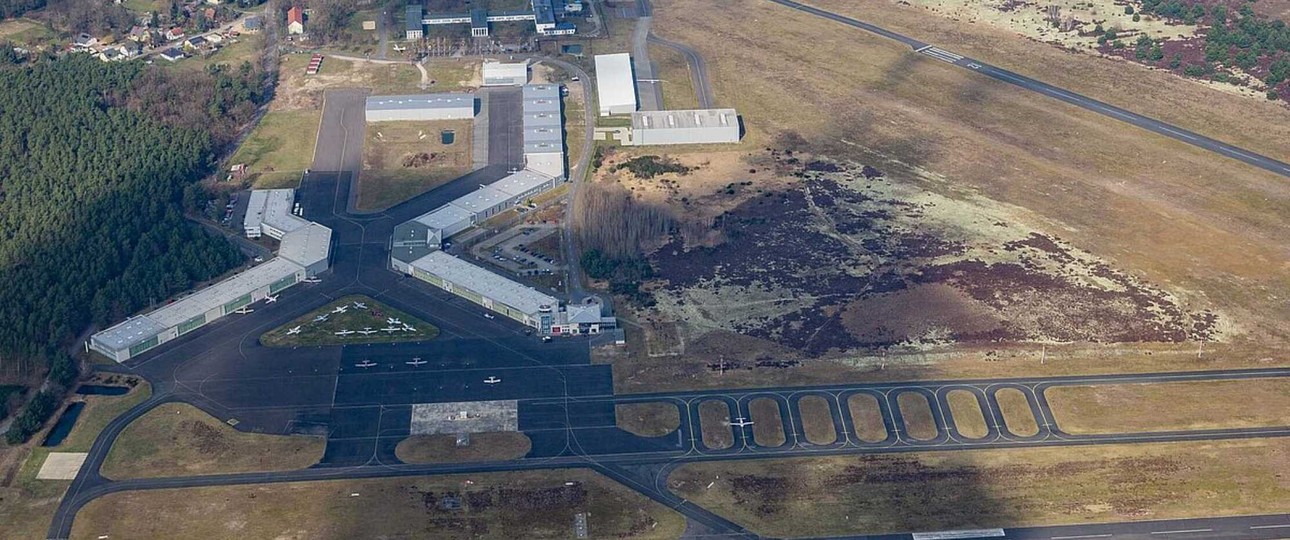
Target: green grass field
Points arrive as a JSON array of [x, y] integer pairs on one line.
[[280, 148], [314, 333]]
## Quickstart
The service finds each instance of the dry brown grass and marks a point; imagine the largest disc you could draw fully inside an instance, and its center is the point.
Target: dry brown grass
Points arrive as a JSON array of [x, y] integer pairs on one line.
[[817, 420], [968, 418], [867, 417], [714, 419], [678, 88], [970, 489], [1207, 227], [532, 504], [386, 179], [917, 415], [178, 439], [1123, 408], [482, 447], [768, 427], [648, 419], [1017, 415]]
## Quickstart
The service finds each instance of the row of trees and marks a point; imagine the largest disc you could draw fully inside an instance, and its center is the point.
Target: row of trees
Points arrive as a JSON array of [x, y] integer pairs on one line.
[[61, 377], [94, 161]]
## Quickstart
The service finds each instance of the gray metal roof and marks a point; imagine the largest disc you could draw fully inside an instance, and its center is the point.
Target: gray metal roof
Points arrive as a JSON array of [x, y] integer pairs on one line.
[[542, 119], [307, 245], [685, 119], [128, 333], [550, 105], [479, 18], [615, 84], [447, 216], [543, 134], [543, 12], [411, 241], [486, 283], [421, 101], [541, 91], [412, 15], [481, 199], [520, 182]]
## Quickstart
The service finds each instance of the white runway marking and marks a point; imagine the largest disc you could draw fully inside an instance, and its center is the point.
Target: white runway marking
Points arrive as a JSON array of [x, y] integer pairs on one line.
[[1183, 531]]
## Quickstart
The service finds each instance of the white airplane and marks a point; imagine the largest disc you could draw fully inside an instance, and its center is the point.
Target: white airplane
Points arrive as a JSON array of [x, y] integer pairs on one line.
[[293, 331], [741, 422], [340, 309], [271, 299], [360, 305], [392, 320], [365, 364], [407, 328], [343, 333], [416, 361], [400, 48], [391, 329], [492, 380], [367, 331], [244, 311], [312, 280], [321, 318]]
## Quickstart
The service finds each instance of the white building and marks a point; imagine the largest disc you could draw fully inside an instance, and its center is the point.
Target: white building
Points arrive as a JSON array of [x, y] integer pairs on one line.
[[270, 212], [421, 107], [615, 84], [702, 126], [501, 74]]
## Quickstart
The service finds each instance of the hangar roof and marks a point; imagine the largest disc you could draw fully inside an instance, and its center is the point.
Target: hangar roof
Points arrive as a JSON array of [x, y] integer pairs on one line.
[[421, 101], [486, 283]]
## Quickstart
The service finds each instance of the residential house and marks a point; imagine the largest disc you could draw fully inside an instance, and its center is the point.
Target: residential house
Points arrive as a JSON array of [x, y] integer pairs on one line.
[[209, 13], [295, 20], [131, 48], [196, 43], [84, 41], [251, 24], [175, 34], [138, 33], [214, 38], [172, 55], [112, 54]]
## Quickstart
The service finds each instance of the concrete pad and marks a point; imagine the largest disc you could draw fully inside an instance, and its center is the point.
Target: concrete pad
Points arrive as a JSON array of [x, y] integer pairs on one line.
[[465, 417], [61, 466]]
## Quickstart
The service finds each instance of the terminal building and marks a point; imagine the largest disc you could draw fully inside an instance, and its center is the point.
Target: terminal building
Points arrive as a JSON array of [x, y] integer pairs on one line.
[[615, 84], [702, 126], [303, 252], [544, 13], [448, 106]]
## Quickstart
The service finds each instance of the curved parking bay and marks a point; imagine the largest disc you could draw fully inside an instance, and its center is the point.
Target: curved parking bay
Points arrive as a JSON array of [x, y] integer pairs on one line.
[[1017, 410], [916, 416], [714, 424], [816, 419], [965, 413], [768, 421], [865, 414]]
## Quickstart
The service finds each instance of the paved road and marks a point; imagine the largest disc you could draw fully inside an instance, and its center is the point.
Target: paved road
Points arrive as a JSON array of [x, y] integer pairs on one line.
[[698, 68], [1000, 74]]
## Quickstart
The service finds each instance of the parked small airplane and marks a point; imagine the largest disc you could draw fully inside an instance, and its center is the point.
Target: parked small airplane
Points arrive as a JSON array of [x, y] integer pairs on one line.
[[399, 48], [340, 309], [271, 299], [321, 318], [741, 422], [344, 333], [492, 380], [367, 331], [392, 320], [391, 329], [293, 331], [365, 364], [312, 280], [244, 311], [360, 305], [407, 328], [416, 361], [489, 316]]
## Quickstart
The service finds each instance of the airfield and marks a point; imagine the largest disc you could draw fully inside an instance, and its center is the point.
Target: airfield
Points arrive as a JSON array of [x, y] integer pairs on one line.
[[362, 397]]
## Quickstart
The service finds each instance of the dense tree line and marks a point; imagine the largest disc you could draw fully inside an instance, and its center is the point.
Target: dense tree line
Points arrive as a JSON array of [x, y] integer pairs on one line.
[[93, 172], [16, 8]]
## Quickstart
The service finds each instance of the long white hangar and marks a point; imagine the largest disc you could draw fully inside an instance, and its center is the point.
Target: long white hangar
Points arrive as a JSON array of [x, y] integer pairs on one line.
[[615, 84], [448, 106]]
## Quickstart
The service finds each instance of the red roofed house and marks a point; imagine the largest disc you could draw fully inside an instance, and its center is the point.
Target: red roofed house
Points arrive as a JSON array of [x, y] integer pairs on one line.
[[295, 21]]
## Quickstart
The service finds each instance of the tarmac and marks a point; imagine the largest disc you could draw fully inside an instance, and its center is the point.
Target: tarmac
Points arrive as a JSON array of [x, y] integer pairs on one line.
[[565, 404]]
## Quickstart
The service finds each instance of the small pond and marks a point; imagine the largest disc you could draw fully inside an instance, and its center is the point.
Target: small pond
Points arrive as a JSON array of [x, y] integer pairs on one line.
[[102, 390], [64, 425]]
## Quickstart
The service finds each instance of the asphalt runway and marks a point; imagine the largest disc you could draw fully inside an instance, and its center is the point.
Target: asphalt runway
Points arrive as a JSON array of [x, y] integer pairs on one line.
[[1084, 102], [565, 404]]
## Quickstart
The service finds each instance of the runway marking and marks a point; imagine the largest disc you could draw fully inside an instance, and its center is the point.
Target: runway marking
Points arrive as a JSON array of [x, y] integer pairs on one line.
[[1186, 531], [1269, 526], [1076, 537], [940, 54]]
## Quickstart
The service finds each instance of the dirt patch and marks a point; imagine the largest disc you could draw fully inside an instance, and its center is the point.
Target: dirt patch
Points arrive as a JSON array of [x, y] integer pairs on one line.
[[1017, 416], [768, 427], [817, 420], [968, 419], [714, 419], [648, 419], [1121, 408], [916, 414], [866, 417]]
